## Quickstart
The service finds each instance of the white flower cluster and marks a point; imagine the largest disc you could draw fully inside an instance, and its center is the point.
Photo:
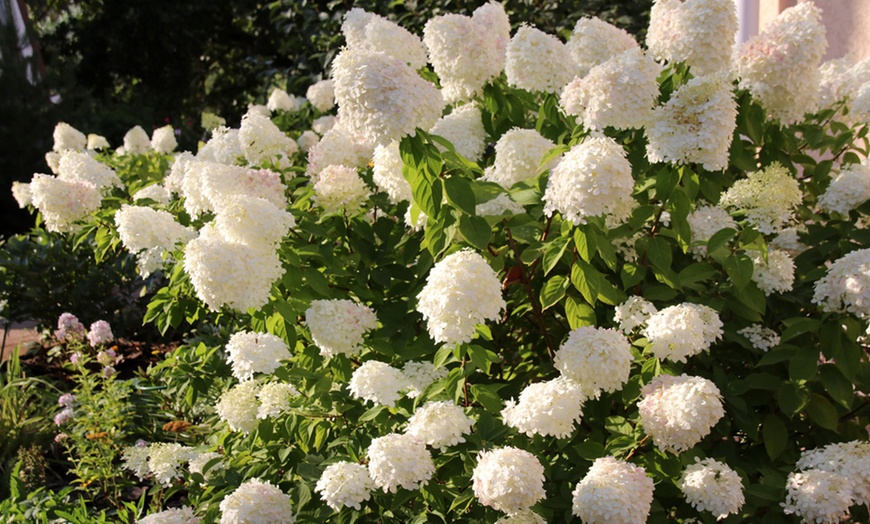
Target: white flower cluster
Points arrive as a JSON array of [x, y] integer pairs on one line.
[[387, 173], [846, 285], [549, 408], [522, 517], [22, 194], [599, 359], [165, 459], [710, 485], [508, 479], [461, 291], [76, 166], [238, 406], [307, 140], [163, 139], [223, 147], [439, 424], [842, 79], [779, 66], [704, 222], [594, 41], [850, 460], [619, 92], [251, 352], [696, 125], [135, 459], [97, 142], [849, 189], [501, 205], [377, 382], [613, 492], [156, 192], [633, 313], [67, 137], [467, 52], [767, 197], [374, 33], [338, 326], [199, 460], [677, 412], [274, 399], [337, 147], [593, 178], [205, 184], [63, 202], [150, 233], [776, 275], [536, 61], [322, 95], [418, 376], [339, 188], [345, 484], [399, 460], [257, 502], [262, 141], [182, 515], [518, 155], [279, 100], [136, 142], [463, 128], [381, 98], [680, 331], [860, 111], [760, 337], [697, 32], [817, 496], [252, 221]]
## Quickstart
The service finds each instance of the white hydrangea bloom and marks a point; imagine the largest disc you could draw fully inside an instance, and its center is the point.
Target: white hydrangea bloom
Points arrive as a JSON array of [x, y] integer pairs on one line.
[[307, 140], [522, 517], [345, 484], [593, 178], [252, 220], [518, 155], [387, 173], [67, 137], [63, 202], [846, 285], [774, 276], [841, 79], [251, 352], [494, 20], [779, 66], [633, 313], [613, 492], [275, 399], [464, 53], [198, 461], [619, 92], [399, 460], [22, 194], [760, 337], [322, 95], [165, 459], [501, 205], [461, 291], [860, 110], [174, 180], [238, 406], [381, 98], [97, 142], [150, 233], [851, 460], [697, 32], [680, 331], [377, 382], [136, 460], [710, 485], [767, 197], [849, 189], [231, 274], [156, 192], [696, 125], [536, 61], [788, 240], [677, 412], [508, 479], [597, 358], [208, 185], [74, 165], [182, 515], [279, 100], [321, 125], [263, 142], [463, 128], [257, 502], [418, 376], [52, 159], [338, 326], [136, 141], [549, 408], [259, 110], [340, 189], [817, 496], [372, 32], [163, 139], [439, 424], [704, 222], [211, 121], [338, 147], [223, 147], [595, 41]]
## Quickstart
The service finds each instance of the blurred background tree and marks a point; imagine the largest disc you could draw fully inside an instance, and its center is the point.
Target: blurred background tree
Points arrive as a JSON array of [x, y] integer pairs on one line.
[[113, 64]]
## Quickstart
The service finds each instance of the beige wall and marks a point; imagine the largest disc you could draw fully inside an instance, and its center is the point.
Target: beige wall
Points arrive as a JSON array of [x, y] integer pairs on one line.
[[847, 23]]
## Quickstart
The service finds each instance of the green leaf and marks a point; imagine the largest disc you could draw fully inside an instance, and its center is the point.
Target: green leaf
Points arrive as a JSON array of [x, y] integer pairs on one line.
[[774, 435], [584, 244], [697, 272], [426, 191], [488, 396], [631, 274], [798, 326], [589, 450], [719, 239], [481, 357], [585, 279], [804, 365], [739, 269], [666, 180], [791, 398], [658, 251], [553, 291], [460, 194], [837, 385], [316, 281], [578, 313], [475, 230], [554, 252], [822, 412]]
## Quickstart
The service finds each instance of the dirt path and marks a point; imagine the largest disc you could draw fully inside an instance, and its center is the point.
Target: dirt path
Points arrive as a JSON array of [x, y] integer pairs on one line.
[[20, 335]]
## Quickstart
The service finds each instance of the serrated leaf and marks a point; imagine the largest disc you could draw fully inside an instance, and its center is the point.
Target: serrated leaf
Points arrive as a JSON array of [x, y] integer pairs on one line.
[[774, 435], [822, 412], [719, 239], [488, 397], [697, 272], [666, 180], [553, 291], [578, 313], [659, 253], [584, 244], [798, 326], [475, 230], [791, 398], [739, 269], [460, 194], [585, 279], [837, 385], [553, 253]]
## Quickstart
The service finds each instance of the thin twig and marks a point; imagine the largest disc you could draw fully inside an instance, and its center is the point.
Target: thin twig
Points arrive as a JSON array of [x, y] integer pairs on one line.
[[639, 445], [536, 306]]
